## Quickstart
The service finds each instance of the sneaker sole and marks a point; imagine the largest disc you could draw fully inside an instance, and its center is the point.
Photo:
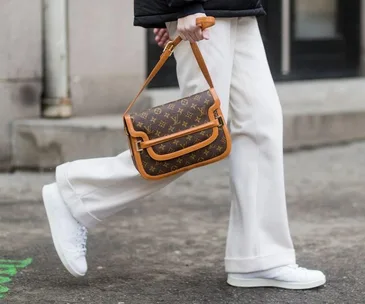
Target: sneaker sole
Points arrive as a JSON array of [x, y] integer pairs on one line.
[[250, 283], [51, 219]]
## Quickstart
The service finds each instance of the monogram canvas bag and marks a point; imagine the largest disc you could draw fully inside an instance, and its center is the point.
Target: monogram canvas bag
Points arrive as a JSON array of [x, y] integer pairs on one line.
[[182, 134]]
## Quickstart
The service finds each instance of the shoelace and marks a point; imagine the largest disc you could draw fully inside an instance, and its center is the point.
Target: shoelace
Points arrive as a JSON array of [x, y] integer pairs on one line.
[[288, 269], [296, 266], [81, 238]]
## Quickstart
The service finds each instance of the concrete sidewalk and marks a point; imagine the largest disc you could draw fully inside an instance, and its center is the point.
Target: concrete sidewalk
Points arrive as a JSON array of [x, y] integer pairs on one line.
[[316, 113], [169, 247]]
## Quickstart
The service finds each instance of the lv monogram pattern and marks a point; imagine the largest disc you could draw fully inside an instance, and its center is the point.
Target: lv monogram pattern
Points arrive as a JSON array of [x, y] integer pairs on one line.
[[174, 117]]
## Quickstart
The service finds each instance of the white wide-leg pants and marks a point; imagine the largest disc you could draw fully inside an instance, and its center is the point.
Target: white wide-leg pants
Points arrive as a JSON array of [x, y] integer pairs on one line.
[[258, 234]]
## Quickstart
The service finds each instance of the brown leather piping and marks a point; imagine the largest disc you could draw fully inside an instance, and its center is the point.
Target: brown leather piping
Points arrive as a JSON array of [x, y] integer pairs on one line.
[[147, 176], [160, 140], [184, 151]]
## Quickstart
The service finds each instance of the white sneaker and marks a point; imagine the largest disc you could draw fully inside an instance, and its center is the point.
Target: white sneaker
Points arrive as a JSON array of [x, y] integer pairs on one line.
[[288, 277], [69, 236]]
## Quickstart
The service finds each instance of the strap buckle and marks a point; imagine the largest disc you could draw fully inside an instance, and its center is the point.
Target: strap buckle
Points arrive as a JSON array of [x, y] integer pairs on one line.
[[138, 146], [220, 119], [169, 47]]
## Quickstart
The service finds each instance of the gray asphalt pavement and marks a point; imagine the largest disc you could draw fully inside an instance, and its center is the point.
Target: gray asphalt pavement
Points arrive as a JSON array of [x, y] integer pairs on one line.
[[169, 248]]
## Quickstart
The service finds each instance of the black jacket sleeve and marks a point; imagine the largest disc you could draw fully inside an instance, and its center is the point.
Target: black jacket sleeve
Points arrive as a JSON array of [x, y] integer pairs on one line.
[[187, 7]]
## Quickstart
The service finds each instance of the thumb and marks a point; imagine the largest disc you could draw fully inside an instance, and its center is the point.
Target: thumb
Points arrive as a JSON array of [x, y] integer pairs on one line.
[[206, 35]]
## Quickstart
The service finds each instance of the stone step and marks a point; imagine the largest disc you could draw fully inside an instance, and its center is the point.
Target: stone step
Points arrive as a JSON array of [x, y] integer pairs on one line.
[[315, 114], [45, 143]]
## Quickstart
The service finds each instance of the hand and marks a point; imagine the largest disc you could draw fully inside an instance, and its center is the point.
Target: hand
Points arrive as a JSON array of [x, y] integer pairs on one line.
[[161, 36], [188, 30]]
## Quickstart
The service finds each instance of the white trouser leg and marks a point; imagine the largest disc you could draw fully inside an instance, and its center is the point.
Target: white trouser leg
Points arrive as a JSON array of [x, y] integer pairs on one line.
[[96, 188], [258, 235]]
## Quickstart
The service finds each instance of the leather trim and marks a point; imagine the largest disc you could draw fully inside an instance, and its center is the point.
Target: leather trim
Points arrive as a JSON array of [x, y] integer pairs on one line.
[[162, 157], [160, 140], [204, 163], [205, 22]]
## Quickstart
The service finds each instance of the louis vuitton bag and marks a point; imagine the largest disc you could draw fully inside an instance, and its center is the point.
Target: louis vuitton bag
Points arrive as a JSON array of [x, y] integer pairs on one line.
[[182, 134]]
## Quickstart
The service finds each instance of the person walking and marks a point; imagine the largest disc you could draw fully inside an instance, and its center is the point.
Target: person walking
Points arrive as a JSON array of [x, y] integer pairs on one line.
[[259, 248]]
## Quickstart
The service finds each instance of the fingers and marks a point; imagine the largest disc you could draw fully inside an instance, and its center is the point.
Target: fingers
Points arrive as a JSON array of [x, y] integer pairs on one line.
[[194, 36], [205, 34], [161, 36], [159, 33], [165, 38], [197, 35], [188, 29]]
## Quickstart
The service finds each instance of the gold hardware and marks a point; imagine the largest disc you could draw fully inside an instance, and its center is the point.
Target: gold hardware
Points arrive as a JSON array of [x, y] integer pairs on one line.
[[138, 146], [220, 120], [169, 47]]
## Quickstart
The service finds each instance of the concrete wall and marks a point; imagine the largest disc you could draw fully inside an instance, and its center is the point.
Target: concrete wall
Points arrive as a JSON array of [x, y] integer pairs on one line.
[[107, 60], [20, 66], [107, 55]]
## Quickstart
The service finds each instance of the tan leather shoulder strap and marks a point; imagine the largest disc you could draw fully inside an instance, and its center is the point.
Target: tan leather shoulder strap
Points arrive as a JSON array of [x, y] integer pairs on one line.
[[203, 67], [164, 56], [203, 22]]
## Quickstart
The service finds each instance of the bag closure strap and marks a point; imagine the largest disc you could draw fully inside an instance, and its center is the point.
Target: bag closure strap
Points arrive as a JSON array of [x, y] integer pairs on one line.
[[152, 142], [203, 22]]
